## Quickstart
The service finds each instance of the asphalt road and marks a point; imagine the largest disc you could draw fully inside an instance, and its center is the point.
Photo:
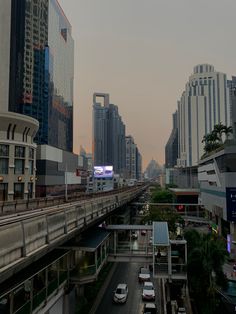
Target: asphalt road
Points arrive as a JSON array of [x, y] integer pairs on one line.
[[124, 273]]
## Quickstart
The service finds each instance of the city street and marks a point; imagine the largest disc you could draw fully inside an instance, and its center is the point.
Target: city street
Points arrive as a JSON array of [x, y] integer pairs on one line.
[[125, 273]]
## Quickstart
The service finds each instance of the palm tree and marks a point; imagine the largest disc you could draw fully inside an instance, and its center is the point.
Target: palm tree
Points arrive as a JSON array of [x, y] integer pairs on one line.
[[211, 141], [219, 130], [227, 131]]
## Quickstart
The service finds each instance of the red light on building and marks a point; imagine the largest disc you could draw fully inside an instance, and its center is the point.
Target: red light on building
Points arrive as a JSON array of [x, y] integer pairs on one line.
[[180, 208]]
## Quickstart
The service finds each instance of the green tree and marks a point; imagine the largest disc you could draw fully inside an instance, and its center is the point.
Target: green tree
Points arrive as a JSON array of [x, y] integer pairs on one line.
[[206, 256], [162, 196], [219, 130], [212, 141], [160, 213]]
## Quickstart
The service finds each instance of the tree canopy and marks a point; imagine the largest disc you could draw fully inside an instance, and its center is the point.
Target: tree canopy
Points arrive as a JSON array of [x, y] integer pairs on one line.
[[213, 140], [206, 256], [162, 196]]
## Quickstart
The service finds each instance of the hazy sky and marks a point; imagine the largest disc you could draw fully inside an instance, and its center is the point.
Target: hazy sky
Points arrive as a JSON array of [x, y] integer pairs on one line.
[[142, 52]]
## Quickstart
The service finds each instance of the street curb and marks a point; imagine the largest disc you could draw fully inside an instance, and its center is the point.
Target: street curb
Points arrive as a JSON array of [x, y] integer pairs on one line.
[[102, 290]]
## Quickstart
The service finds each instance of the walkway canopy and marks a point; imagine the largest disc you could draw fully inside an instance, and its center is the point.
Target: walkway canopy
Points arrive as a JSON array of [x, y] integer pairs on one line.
[[160, 233], [93, 239]]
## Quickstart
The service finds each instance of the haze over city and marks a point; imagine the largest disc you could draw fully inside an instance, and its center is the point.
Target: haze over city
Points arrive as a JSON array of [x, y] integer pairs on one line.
[[142, 53], [117, 157]]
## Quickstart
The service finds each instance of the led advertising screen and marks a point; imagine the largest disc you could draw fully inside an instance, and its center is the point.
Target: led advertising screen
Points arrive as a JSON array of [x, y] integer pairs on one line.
[[103, 171]]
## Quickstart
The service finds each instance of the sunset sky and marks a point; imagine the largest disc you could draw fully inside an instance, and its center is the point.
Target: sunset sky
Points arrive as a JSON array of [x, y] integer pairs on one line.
[[142, 52]]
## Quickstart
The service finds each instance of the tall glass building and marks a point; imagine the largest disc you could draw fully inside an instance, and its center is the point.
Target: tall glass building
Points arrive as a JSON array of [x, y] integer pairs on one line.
[[42, 69], [59, 68], [108, 135]]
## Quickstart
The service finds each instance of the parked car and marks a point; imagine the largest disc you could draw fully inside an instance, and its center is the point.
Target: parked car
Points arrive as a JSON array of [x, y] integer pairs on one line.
[[181, 310], [144, 274], [148, 292], [149, 308], [121, 293]]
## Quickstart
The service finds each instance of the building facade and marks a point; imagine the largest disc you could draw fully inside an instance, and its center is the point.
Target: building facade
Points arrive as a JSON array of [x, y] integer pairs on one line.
[[171, 148], [36, 80], [204, 103], [17, 132], [41, 68], [139, 175], [59, 67], [17, 156], [108, 134], [131, 163], [232, 95], [217, 177], [58, 172]]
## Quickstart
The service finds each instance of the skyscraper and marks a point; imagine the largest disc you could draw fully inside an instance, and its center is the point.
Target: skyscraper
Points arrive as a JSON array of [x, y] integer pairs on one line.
[[232, 95], [171, 149], [17, 131], [203, 104], [40, 68], [36, 79], [138, 164], [131, 163], [108, 134]]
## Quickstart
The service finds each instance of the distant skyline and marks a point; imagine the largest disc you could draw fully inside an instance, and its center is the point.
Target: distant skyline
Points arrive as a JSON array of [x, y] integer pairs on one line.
[[142, 53]]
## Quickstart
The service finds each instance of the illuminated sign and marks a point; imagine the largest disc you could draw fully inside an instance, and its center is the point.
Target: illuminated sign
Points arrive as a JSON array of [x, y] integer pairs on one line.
[[81, 173], [229, 241], [103, 171]]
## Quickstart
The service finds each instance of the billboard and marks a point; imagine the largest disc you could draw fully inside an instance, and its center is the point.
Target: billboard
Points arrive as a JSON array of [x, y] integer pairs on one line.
[[103, 171], [82, 173]]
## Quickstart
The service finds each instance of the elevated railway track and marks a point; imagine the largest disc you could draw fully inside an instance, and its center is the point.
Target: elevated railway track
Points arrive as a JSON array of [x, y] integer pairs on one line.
[[28, 235]]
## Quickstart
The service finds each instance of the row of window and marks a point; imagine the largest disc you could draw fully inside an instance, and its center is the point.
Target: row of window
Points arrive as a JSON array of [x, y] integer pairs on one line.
[[18, 191], [19, 151], [19, 166]]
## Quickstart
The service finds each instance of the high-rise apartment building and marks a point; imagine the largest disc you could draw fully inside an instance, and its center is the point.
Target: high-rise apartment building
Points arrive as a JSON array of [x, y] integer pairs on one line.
[[232, 95], [108, 134], [171, 149], [131, 163], [204, 103], [40, 67], [17, 132], [36, 80]]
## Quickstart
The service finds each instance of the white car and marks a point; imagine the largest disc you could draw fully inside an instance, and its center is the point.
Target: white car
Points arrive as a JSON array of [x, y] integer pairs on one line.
[[148, 291], [181, 310], [121, 293], [149, 308], [144, 274]]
